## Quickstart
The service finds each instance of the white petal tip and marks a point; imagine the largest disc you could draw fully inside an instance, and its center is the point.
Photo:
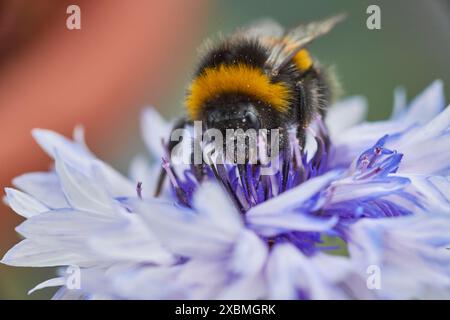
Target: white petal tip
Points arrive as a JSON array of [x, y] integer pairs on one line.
[[39, 133], [8, 191]]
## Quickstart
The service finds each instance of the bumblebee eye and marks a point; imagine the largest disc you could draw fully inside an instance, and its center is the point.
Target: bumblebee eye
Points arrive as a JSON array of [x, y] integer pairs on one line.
[[252, 120]]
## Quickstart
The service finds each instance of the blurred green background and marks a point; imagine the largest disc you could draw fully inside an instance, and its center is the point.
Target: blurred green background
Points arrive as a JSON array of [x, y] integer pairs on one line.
[[411, 50]]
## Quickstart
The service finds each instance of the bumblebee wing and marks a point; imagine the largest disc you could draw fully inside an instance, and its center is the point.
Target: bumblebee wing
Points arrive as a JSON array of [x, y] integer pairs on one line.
[[304, 34], [264, 28], [297, 38]]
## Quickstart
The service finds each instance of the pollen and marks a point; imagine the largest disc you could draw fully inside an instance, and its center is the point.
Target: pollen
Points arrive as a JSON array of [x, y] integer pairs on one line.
[[240, 78], [303, 60]]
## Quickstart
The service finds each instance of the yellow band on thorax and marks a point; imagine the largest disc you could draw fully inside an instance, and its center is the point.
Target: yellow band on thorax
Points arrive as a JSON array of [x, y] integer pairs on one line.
[[240, 78]]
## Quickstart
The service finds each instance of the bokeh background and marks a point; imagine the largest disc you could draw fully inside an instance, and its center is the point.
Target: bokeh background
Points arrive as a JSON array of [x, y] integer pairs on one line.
[[129, 54]]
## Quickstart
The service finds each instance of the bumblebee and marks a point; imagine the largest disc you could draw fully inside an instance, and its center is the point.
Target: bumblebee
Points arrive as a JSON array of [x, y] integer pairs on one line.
[[260, 77]]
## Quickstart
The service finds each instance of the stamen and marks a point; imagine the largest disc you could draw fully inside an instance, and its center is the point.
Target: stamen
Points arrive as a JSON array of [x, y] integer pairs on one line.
[[170, 173], [295, 143], [139, 189]]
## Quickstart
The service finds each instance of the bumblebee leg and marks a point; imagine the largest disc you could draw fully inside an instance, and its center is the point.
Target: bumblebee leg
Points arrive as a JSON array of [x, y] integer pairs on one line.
[[302, 114], [314, 90], [179, 124], [161, 178]]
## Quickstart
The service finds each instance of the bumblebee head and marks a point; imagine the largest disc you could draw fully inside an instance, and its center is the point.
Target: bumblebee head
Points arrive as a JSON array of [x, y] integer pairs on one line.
[[238, 115], [233, 90]]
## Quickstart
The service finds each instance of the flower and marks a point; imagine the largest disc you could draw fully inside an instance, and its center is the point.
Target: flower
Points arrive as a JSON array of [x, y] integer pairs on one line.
[[412, 251], [362, 211]]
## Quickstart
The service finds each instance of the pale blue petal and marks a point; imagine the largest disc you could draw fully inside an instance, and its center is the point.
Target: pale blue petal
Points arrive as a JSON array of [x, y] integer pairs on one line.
[[155, 130], [43, 186], [411, 252], [273, 224], [400, 104], [24, 204], [55, 282], [349, 189], [66, 225], [77, 156], [427, 105], [430, 157], [182, 231], [212, 202], [246, 264], [51, 142], [291, 275], [249, 254], [435, 191], [141, 282], [135, 243], [81, 191], [295, 197], [28, 253], [436, 127], [345, 114], [354, 140]]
